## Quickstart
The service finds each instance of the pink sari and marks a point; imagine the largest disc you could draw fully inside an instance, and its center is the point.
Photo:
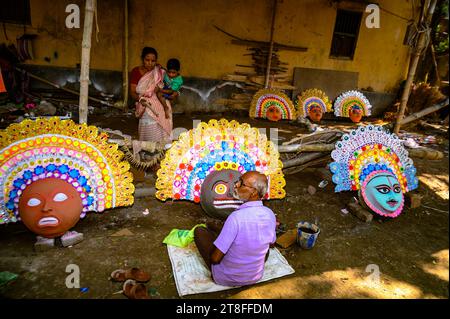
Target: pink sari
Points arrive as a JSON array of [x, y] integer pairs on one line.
[[153, 125]]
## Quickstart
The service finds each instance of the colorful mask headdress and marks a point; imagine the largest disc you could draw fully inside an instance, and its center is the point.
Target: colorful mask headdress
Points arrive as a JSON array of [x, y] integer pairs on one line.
[[352, 104], [77, 154], [376, 164], [217, 146], [313, 100], [273, 105]]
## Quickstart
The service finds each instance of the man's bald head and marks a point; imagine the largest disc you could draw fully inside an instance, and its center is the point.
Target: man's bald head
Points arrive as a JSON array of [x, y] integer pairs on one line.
[[256, 180]]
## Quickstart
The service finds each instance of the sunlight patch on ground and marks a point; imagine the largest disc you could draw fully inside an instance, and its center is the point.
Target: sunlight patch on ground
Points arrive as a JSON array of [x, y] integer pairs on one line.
[[348, 283], [439, 267], [437, 183]]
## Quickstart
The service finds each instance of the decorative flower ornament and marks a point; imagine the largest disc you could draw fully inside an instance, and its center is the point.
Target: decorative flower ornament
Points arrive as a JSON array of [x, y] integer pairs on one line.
[[313, 103], [217, 146], [34, 154], [273, 105], [375, 163], [352, 104]]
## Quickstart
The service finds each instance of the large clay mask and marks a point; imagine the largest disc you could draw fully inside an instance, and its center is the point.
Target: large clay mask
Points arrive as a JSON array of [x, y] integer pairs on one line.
[[216, 195], [315, 113], [273, 113], [355, 114], [50, 207], [383, 194]]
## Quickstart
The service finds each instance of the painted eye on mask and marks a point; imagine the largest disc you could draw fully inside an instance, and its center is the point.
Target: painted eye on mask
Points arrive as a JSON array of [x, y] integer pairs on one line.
[[397, 188], [60, 197], [220, 188], [33, 202], [383, 189]]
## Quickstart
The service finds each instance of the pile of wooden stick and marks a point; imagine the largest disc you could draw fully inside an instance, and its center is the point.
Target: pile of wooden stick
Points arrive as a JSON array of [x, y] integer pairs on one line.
[[314, 150], [255, 79], [258, 78], [308, 150]]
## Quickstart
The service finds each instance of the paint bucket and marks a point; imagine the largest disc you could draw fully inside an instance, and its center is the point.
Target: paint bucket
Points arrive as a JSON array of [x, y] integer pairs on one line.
[[307, 234]]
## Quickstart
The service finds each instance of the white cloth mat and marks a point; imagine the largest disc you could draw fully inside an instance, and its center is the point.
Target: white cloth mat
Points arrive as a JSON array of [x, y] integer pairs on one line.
[[193, 277]]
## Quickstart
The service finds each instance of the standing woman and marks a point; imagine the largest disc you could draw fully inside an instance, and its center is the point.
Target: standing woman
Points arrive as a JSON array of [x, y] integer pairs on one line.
[[155, 119]]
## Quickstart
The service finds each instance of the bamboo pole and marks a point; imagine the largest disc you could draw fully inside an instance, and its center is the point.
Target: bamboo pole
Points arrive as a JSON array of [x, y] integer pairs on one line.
[[314, 149], [424, 112], [412, 69], [302, 159], [269, 58], [306, 148], [85, 59], [433, 56], [125, 49], [322, 161], [420, 114]]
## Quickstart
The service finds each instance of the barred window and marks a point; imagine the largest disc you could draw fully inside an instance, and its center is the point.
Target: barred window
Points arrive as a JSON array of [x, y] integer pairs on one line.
[[345, 34], [15, 11]]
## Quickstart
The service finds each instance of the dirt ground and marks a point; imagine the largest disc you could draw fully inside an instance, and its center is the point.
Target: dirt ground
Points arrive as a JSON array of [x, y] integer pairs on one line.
[[411, 251]]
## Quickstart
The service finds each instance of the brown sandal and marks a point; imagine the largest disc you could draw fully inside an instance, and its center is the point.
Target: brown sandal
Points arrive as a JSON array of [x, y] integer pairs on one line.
[[134, 290], [131, 273]]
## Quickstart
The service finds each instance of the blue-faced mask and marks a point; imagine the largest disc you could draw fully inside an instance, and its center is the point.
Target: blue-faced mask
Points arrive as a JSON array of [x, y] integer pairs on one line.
[[383, 194]]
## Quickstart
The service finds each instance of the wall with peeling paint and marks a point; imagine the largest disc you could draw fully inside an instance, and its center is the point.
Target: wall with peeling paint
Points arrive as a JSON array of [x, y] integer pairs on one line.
[[184, 29]]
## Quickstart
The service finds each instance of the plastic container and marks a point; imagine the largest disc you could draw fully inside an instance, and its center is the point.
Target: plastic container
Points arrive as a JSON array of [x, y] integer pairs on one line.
[[307, 234]]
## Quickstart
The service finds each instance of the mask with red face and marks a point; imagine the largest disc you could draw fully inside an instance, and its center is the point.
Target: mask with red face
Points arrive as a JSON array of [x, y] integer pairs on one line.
[[50, 207], [315, 113], [273, 113], [355, 114], [52, 172]]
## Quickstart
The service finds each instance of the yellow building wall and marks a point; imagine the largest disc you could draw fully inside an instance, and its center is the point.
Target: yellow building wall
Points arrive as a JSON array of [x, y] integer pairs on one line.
[[185, 30]]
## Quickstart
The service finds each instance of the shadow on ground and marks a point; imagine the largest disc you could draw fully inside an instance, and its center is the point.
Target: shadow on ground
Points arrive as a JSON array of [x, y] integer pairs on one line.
[[410, 252]]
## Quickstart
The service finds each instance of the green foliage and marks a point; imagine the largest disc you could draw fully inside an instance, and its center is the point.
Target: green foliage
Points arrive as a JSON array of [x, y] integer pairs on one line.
[[442, 46], [441, 34]]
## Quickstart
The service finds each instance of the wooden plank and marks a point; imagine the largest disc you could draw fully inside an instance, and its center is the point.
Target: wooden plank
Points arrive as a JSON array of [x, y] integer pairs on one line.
[[234, 77], [287, 239], [300, 160], [241, 96], [274, 84]]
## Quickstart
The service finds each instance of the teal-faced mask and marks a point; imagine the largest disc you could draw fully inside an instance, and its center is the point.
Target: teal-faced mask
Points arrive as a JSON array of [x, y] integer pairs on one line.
[[383, 194]]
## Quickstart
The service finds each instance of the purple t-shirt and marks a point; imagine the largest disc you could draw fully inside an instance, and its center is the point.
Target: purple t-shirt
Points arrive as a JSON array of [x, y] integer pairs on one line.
[[244, 239]]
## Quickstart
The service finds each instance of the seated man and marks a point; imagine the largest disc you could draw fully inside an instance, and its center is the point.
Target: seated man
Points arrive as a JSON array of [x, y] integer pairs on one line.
[[237, 256]]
